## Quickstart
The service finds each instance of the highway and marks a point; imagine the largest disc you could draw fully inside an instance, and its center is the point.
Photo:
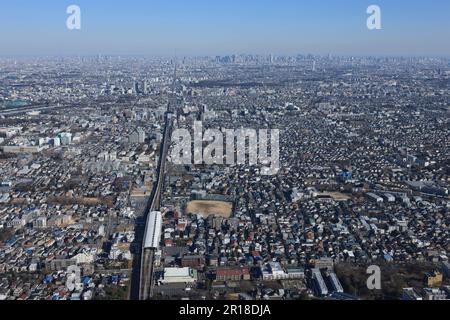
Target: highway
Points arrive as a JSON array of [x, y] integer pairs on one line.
[[21, 110]]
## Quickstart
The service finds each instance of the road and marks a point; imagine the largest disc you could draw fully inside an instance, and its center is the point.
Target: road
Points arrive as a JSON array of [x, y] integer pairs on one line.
[[21, 110]]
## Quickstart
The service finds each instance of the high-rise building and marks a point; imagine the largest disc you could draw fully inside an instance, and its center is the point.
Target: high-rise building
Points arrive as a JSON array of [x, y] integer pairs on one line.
[[66, 138], [56, 142], [138, 136], [141, 135], [145, 91]]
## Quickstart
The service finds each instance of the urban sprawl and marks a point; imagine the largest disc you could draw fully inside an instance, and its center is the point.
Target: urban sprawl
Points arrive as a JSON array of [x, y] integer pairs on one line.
[[88, 210]]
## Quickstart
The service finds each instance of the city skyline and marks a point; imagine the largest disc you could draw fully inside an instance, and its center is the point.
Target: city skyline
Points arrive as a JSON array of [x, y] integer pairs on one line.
[[413, 28]]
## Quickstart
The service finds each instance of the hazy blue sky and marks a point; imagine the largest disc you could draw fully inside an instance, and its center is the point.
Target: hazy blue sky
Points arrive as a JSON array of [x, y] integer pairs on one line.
[[410, 27]]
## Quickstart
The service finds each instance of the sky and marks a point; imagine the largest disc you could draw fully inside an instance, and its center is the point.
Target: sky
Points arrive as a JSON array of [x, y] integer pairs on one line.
[[216, 27]]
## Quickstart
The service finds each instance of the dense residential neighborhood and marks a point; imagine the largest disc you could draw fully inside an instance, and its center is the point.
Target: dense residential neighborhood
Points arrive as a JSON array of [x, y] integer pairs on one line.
[[364, 151]]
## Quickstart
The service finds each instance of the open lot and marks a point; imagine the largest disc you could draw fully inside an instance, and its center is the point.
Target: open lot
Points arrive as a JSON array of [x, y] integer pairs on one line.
[[207, 208]]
